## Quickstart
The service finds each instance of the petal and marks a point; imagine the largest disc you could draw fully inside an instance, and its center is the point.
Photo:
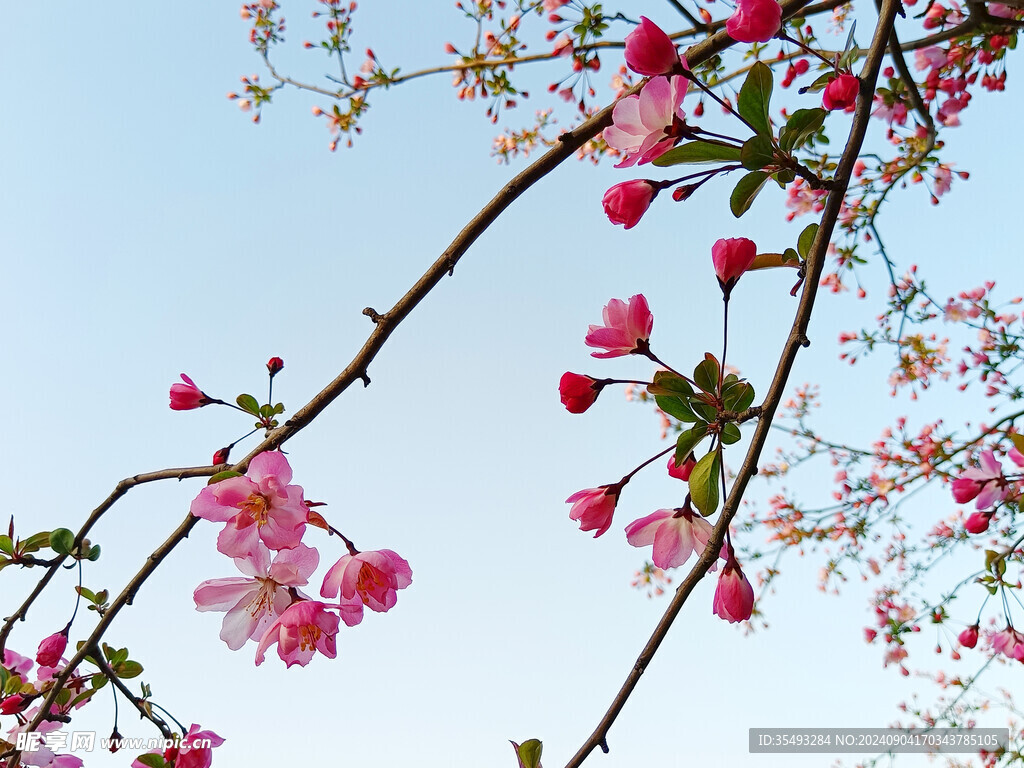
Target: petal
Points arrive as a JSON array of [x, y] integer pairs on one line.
[[223, 594], [640, 533], [270, 464]]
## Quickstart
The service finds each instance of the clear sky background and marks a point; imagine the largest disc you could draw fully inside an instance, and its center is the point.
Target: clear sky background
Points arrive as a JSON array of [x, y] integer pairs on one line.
[[148, 228]]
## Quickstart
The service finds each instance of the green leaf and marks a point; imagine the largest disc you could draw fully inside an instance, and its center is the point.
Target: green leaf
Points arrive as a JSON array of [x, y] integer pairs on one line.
[[801, 125], [790, 255], [129, 669], [529, 753], [820, 83], [87, 593], [757, 152], [784, 177], [689, 440], [803, 243], [705, 375], [35, 542], [699, 152], [704, 484], [705, 411], [94, 553], [676, 407], [737, 396], [248, 404], [119, 657], [667, 383], [745, 192], [730, 434], [61, 541], [152, 760], [227, 474], [4, 562], [755, 95], [101, 597], [6, 545]]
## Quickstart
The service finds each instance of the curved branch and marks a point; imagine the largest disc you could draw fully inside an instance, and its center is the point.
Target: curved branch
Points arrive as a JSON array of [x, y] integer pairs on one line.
[[776, 391]]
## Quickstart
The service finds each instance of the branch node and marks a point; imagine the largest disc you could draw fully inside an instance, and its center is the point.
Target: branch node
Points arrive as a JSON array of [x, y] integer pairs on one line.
[[804, 341], [365, 379], [603, 744], [372, 313]]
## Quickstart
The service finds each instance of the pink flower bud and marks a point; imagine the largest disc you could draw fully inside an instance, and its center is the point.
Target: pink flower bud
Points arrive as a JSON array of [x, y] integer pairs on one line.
[[221, 456], [682, 472], [734, 597], [185, 397], [649, 51], [755, 21], [275, 365], [978, 522], [627, 202], [594, 507], [969, 637], [578, 392], [732, 257], [14, 704], [841, 92], [51, 649]]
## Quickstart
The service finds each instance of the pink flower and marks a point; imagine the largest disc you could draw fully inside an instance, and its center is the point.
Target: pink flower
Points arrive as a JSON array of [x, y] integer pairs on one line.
[[1008, 642], [841, 92], [261, 506], [51, 649], [578, 392], [645, 126], [302, 630], [185, 397], [253, 603], [986, 483], [649, 51], [594, 507], [627, 201], [978, 522], [682, 472], [626, 328], [969, 637], [367, 578], [755, 21], [675, 534], [732, 258], [191, 752], [14, 704], [734, 597]]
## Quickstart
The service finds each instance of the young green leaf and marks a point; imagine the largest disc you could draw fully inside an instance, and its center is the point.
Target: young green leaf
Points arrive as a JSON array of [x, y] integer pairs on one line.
[[705, 375], [676, 407], [757, 153], [61, 541], [801, 125], [689, 440], [699, 152], [755, 95], [704, 484], [745, 192], [803, 243], [248, 404]]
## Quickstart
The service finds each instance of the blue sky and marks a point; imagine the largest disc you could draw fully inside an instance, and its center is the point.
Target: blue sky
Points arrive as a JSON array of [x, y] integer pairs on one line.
[[150, 229]]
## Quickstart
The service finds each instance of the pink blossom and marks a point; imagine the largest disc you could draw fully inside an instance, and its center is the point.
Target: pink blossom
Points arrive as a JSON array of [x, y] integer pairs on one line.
[[969, 637], [931, 57], [675, 534], [627, 201], [645, 126], [302, 630], [550, 6], [978, 522], [986, 483], [732, 257], [253, 603], [51, 649], [14, 704], [187, 396], [190, 752], [734, 597], [841, 92], [594, 507], [16, 663], [578, 392], [649, 51], [754, 21], [626, 329], [1008, 642], [943, 180], [261, 506], [367, 578], [682, 472]]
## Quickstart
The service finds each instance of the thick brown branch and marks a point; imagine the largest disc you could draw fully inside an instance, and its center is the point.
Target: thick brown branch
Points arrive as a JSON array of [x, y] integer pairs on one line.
[[776, 391]]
